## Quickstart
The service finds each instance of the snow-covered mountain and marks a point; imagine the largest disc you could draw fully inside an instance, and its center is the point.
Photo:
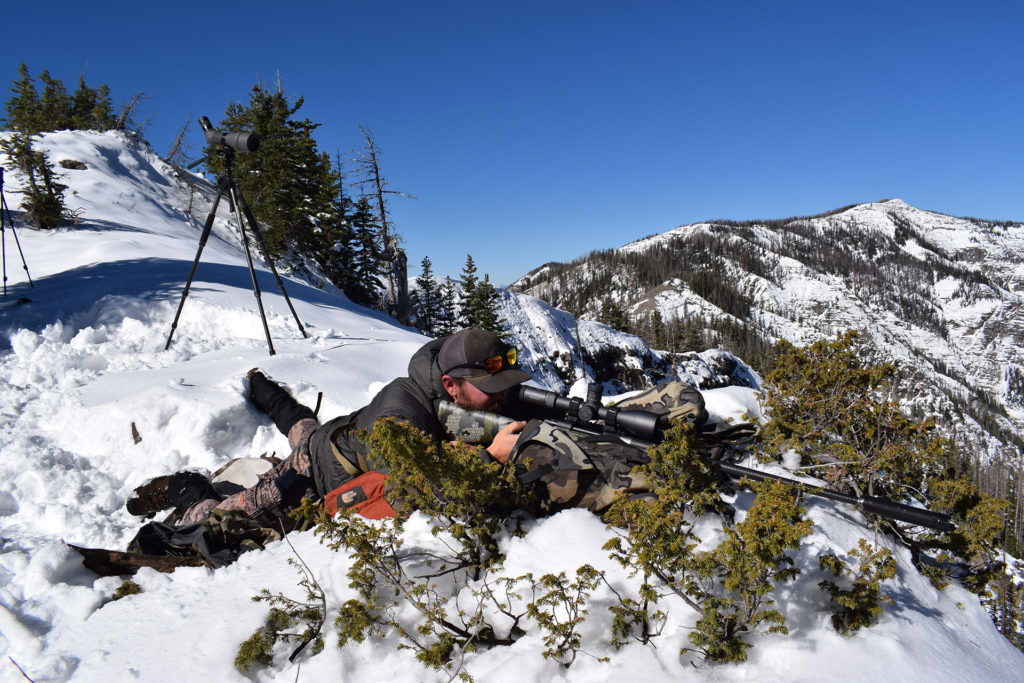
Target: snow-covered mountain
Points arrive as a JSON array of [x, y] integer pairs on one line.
[[943, 296], [560, 350], [91, 405]]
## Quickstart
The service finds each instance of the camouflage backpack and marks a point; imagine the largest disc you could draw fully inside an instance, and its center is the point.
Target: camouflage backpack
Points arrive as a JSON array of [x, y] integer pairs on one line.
[[677, 400], [566, 468]]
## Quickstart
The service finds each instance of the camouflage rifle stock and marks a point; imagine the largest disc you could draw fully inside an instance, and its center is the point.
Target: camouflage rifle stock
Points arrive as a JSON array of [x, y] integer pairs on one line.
[[472, 426]]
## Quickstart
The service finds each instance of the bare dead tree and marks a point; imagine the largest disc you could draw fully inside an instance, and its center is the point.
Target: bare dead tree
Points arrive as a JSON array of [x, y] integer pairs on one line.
[[176, 154], [397, 276], [124, 119]]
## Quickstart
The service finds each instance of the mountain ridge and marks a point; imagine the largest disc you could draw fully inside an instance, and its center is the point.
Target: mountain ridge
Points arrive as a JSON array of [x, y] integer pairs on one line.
[[939, 294]]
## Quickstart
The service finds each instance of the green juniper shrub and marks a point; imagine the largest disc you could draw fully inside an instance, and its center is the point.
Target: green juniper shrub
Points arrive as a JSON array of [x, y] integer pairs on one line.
[[467, 502], [730, 586], [859, 605], [634, 619], [979, 521], [285, 615], [829, 403], [745, 568], [559, 610], [127, 588]]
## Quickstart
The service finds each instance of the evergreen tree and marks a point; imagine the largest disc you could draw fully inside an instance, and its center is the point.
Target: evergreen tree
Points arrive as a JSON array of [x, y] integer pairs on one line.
[[469, 281], [56, 107], [91, 108], [489, 319], [364, 286], [479, 306], [102, 110], [340, 254], [613, 315], [691, 335], [43, 195], [24, 108], [447, 322], [658, 334], [32, 112], [287, 182], [427, 300], [394, 267]]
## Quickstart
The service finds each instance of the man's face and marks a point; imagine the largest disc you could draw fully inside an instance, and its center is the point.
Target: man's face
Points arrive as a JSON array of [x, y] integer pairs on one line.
[[467, 396]]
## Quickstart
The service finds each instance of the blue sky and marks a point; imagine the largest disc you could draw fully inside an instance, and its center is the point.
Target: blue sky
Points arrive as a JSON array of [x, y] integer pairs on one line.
[[538, 131]]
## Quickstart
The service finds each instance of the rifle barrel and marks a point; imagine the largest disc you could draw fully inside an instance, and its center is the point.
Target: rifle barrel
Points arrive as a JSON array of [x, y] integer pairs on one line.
[[877, 506]]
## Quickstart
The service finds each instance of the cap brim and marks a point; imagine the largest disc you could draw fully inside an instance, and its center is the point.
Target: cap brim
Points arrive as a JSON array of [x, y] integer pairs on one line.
[[492, 384]]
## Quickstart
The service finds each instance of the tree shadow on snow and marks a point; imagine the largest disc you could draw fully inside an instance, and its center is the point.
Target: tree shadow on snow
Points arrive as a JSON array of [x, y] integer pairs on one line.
[[145, 282]]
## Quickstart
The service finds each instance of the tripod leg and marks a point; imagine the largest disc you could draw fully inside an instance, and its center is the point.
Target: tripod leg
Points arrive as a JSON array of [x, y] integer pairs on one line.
[[3, 248], [21, 253], [266, 257], [235, 195], [188, 283]]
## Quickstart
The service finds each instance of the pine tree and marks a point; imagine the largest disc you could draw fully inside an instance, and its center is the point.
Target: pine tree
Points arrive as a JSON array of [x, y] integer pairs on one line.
[[479, 301], [447, 322], [103, 110], [43, 195], [614, 315], [339, 252], [469, 281], [91, 108], [31, 112], [56, 104], [427, 300], [365, 285], [24, 108], [658, 335], [288, 183], [487, 308]]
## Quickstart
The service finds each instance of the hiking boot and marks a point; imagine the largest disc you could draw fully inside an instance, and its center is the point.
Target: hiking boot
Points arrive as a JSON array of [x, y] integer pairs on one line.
[[272, 399], [179, 491], [150, 498]]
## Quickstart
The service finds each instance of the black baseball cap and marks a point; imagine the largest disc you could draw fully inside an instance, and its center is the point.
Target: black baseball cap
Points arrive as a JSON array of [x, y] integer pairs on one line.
[[465, 355]]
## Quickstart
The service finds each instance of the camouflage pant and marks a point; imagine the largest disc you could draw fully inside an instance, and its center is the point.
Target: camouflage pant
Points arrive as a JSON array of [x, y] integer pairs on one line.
[[566, 468], [277, 487]]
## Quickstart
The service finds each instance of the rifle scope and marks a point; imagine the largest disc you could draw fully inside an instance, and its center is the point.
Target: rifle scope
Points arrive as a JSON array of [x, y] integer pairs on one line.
[[642, 424], [240, 142]]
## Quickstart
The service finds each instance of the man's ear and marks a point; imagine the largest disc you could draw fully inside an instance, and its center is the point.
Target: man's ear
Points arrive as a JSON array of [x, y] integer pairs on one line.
[[450, 385]]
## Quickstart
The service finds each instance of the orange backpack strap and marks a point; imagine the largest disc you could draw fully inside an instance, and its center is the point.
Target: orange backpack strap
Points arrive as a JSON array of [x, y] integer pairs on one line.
[[364, 495]]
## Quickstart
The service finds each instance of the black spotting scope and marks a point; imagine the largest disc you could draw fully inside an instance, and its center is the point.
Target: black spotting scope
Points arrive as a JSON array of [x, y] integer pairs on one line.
[[240, 142]]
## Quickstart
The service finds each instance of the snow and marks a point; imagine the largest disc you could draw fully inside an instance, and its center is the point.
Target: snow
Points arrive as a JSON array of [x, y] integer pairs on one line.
[[84, 361]]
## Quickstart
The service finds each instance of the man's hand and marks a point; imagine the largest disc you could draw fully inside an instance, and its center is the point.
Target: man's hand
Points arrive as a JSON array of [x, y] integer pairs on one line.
[[504, 440]]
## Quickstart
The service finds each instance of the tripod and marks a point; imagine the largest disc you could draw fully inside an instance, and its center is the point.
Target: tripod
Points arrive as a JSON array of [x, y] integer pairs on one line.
[[226, 186], [5, 215]]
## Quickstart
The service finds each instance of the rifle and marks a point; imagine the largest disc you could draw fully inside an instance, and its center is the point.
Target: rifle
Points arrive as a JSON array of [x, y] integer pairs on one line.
[[644, 428]]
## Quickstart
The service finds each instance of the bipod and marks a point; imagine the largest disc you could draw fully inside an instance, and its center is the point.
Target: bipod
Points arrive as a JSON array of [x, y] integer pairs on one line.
[[226, 187], [5, 217]]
